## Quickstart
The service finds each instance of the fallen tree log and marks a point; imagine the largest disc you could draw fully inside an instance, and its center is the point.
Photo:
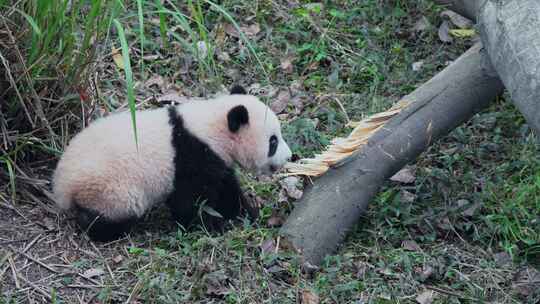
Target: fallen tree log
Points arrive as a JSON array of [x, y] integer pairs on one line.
[[510, 32], [335, 202], [466, 8]]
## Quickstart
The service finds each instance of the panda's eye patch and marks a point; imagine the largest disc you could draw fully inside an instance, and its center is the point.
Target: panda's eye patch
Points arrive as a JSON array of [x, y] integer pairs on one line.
[[273, 145]]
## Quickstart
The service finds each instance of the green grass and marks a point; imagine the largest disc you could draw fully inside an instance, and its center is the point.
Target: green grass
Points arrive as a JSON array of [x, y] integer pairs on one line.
[[54, 34], [512, 209], [476, 193]]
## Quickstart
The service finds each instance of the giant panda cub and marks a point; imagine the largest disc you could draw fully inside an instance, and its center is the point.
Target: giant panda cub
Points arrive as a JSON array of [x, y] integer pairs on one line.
[[185, 157]]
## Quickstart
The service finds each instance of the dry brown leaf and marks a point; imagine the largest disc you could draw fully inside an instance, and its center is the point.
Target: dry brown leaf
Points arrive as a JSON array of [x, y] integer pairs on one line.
[[174, 97], [457, 19], [275, 221], [156, 80], [220, 36], [286, 65], [291, 185], [249, 31], [407, 197], [405, 176], [216, 283], [411, 245], [282, 196], [308, 268], [281, 101], [470, 208], [386, 272], [231, 30], [117, 57], [48, 223], [309, 297], [313, 66], [298, 103], [426, 272], [217, 290], [297, 87], [417, 66], [444, 223], [444, 32], [252, 30], [224, 56], [268, 246], [361, 270], [93, 272], [154, 21], [426, 297], [117, 259], [421, 24]]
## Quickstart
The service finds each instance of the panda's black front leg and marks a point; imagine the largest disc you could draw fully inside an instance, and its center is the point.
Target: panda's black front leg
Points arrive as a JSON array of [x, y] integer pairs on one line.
[[186, 206], [236, 202], [222, 194], [230, 197], [182, 204]]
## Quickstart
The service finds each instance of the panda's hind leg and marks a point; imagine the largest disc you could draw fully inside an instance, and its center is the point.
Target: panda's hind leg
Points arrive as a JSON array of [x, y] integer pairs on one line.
[[100, 228]]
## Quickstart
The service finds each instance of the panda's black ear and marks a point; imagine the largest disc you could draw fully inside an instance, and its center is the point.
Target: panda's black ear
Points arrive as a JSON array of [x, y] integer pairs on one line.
[[237, 117], [238, 89]]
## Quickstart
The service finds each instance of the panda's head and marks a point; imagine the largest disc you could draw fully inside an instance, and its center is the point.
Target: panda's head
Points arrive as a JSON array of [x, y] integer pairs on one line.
[[240, 129], [258, 142]]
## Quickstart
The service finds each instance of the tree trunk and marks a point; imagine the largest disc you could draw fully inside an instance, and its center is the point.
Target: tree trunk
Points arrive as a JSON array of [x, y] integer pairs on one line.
[[335, 202], [510, 32]]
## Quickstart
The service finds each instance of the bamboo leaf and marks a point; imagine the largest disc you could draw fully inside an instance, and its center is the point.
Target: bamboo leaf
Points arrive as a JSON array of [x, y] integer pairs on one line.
[[129, 77]]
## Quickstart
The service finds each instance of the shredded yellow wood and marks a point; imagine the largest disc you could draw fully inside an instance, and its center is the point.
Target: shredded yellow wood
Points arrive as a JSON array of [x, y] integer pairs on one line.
[[341, 148]]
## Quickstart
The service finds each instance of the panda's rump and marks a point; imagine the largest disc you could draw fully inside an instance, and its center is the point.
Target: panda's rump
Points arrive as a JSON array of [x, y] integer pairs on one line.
[[118, 189], [103, 210], [103, 170], [111, 200]]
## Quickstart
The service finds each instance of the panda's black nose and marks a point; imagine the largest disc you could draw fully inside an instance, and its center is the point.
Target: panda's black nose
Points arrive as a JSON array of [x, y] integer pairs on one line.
[[273, 168], [294, 158]]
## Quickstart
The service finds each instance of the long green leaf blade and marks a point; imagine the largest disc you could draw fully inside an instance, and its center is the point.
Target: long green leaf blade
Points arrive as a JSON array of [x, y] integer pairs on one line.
[[129, 77]]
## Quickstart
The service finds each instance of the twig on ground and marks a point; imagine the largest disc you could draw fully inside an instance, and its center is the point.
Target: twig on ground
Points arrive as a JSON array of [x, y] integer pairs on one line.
[[36, 288], [14, 272], [27, 256], [452, 293]]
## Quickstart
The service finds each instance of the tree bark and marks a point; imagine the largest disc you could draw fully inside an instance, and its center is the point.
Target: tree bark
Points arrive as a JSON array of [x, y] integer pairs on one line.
[[335, 202], [510, 32], [466, 8]]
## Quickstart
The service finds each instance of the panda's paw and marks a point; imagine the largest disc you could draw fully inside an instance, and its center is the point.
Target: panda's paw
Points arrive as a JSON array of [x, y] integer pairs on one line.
[[250, 206]]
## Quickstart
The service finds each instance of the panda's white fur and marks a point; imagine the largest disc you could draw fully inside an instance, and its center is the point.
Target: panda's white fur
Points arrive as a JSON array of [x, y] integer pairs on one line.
[[103, 174]]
